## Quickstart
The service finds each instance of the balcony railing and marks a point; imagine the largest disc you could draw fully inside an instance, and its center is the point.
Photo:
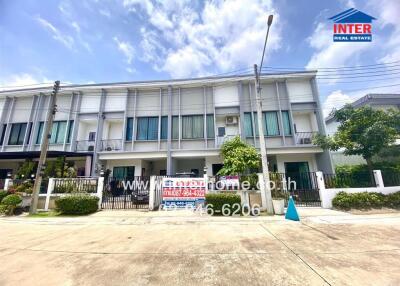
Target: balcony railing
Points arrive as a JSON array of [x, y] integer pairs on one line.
[[305, 138], [222, 139], [111, 145], [85, 145]]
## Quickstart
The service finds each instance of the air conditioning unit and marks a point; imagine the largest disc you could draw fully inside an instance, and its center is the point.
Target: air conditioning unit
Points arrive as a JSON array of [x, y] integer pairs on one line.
[[90, 148], [109, 149], [305, 141], [231, 120]]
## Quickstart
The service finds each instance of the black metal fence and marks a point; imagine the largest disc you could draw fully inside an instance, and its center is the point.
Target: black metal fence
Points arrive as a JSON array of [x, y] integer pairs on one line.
[[75, 185], [391, 178], [126, 193], [349, 180]]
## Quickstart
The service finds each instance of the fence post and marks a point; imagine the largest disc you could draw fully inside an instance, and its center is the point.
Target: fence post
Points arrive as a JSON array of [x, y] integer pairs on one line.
[[100, 186], [263, 191], [321, 189], [152, 192], [50, 188], [378, 179], [7, 183]]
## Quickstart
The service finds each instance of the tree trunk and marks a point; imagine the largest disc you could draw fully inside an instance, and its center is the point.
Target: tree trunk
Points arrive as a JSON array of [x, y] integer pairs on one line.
[[370, 169]]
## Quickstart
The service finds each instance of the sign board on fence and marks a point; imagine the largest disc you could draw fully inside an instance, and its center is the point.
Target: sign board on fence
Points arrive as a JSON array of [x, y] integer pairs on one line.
[[229, 182], [181, 192]]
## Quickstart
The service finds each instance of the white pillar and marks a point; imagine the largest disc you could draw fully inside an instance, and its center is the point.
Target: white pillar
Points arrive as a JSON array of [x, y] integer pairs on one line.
[[322, 191], [152, 192], [88, 165], [50, 188], [378, 179], [7, 183], [263, 191], [100, 187], [206, 181]]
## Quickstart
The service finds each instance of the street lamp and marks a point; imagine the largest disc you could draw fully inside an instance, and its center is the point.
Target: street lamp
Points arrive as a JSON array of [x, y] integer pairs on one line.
[[265, 190]]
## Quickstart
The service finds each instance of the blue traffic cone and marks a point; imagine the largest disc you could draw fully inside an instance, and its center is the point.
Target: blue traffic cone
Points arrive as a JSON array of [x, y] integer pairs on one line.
[[291, 212]]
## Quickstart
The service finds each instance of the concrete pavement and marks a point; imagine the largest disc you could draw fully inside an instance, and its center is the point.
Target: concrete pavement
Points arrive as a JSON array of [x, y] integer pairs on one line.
[[182, 248]]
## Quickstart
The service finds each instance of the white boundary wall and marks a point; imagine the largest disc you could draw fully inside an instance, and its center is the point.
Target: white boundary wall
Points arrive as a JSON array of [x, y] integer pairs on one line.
[[327, 195]]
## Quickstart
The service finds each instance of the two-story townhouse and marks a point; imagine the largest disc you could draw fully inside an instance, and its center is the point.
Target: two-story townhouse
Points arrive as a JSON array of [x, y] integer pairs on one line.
[[382, 101], [166, 127]]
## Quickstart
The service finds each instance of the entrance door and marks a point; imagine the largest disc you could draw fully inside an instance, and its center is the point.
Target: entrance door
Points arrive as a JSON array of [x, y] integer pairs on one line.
[[124, 172], [305, 191]]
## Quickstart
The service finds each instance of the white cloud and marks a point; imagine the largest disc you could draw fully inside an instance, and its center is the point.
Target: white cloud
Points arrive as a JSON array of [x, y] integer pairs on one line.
[[224, 36], [105, 13], [144, 4], [24, 80], [336, 100], [76, 26], [66, 40], [126, 48], [331, 54]]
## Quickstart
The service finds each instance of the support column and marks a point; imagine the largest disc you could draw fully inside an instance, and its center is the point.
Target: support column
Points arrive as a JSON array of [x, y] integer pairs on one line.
[[124, 121], [291, 114], [159, 122], [99, 133], [100, 186], [241, 110], [88, 166], [8, 127], [28, 130], [169, 132], [280, 114], [378, 179], [36, 122], [71, 106], [205, 117], [78, 100], [134, 119], [3, 119]]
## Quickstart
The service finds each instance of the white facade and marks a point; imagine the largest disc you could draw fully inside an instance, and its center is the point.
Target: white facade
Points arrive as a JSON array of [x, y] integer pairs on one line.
[[128, 125]]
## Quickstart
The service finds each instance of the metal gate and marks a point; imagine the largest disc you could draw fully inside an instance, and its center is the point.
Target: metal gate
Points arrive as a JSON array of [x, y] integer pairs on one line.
[[128, 193], [303, 187]]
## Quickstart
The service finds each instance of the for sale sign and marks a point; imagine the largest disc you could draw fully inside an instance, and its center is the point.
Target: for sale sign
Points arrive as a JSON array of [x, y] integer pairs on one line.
[[182, 192]]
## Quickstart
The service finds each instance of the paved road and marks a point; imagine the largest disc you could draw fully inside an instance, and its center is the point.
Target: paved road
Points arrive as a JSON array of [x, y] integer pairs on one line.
[[137, 248]]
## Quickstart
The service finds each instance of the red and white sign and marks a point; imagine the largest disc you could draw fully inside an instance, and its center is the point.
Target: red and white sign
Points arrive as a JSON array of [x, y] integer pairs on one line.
[[183, 191]]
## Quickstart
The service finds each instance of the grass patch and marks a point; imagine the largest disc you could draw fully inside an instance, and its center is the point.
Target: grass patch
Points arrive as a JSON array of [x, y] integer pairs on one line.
[[45, 214]]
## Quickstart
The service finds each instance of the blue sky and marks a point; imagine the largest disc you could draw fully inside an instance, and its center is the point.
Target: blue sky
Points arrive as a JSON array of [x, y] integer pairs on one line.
[[93, 41]]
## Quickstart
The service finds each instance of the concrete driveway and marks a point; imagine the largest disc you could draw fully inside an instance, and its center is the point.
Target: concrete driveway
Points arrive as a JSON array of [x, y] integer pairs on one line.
[[181, 248]]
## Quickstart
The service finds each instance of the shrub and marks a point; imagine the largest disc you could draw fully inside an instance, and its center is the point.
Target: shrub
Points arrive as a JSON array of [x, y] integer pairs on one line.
[[365, 200], [77, 204], [25, 187], [216, 203], [393, 200], [3, 194], [10, 202]]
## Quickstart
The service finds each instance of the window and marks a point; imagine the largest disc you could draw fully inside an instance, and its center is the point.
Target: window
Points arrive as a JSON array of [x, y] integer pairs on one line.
[[129, 129], [221, 131], [286, 123], [271, 119], [248, 125], [164, 127], [192, 126], [39, 133], [124, 172], [70, 129], [3, 133], [92, 136], [147, 128], [17, 134], [58, 132], [210, 126], [175, 127], [270, 126]]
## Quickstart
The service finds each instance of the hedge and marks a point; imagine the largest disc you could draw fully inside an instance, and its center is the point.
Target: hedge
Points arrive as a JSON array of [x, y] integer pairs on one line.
[[9, 203], [365, 200], [3, 194], [77, 204], [216, 202]]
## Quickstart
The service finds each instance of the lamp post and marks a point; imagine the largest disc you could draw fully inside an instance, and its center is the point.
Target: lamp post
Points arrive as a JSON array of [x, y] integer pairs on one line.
[[267, 198]]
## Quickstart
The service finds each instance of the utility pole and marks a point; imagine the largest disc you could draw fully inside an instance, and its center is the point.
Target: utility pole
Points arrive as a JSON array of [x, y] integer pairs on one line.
[[43, 150], [265, 172]]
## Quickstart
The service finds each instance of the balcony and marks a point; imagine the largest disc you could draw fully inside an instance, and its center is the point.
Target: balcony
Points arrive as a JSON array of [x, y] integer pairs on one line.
[[111, 145], [305, 138], [85, 145], [222, 139]]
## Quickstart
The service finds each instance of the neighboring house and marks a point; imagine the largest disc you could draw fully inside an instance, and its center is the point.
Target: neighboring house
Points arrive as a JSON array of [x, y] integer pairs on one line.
[[376, 101], [166, 127]]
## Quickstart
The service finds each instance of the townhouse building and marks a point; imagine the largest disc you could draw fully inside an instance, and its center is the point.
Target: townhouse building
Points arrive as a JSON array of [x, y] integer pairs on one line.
[[382, 101], [166, 127]]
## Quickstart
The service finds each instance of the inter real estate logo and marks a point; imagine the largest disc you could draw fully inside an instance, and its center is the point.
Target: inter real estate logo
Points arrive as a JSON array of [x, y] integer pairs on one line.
[[352, 26]]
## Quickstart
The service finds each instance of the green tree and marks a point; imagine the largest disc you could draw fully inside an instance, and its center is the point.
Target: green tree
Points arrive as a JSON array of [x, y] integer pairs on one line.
[[362, 131], [59, 168], [238, 157], [26, 169]]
